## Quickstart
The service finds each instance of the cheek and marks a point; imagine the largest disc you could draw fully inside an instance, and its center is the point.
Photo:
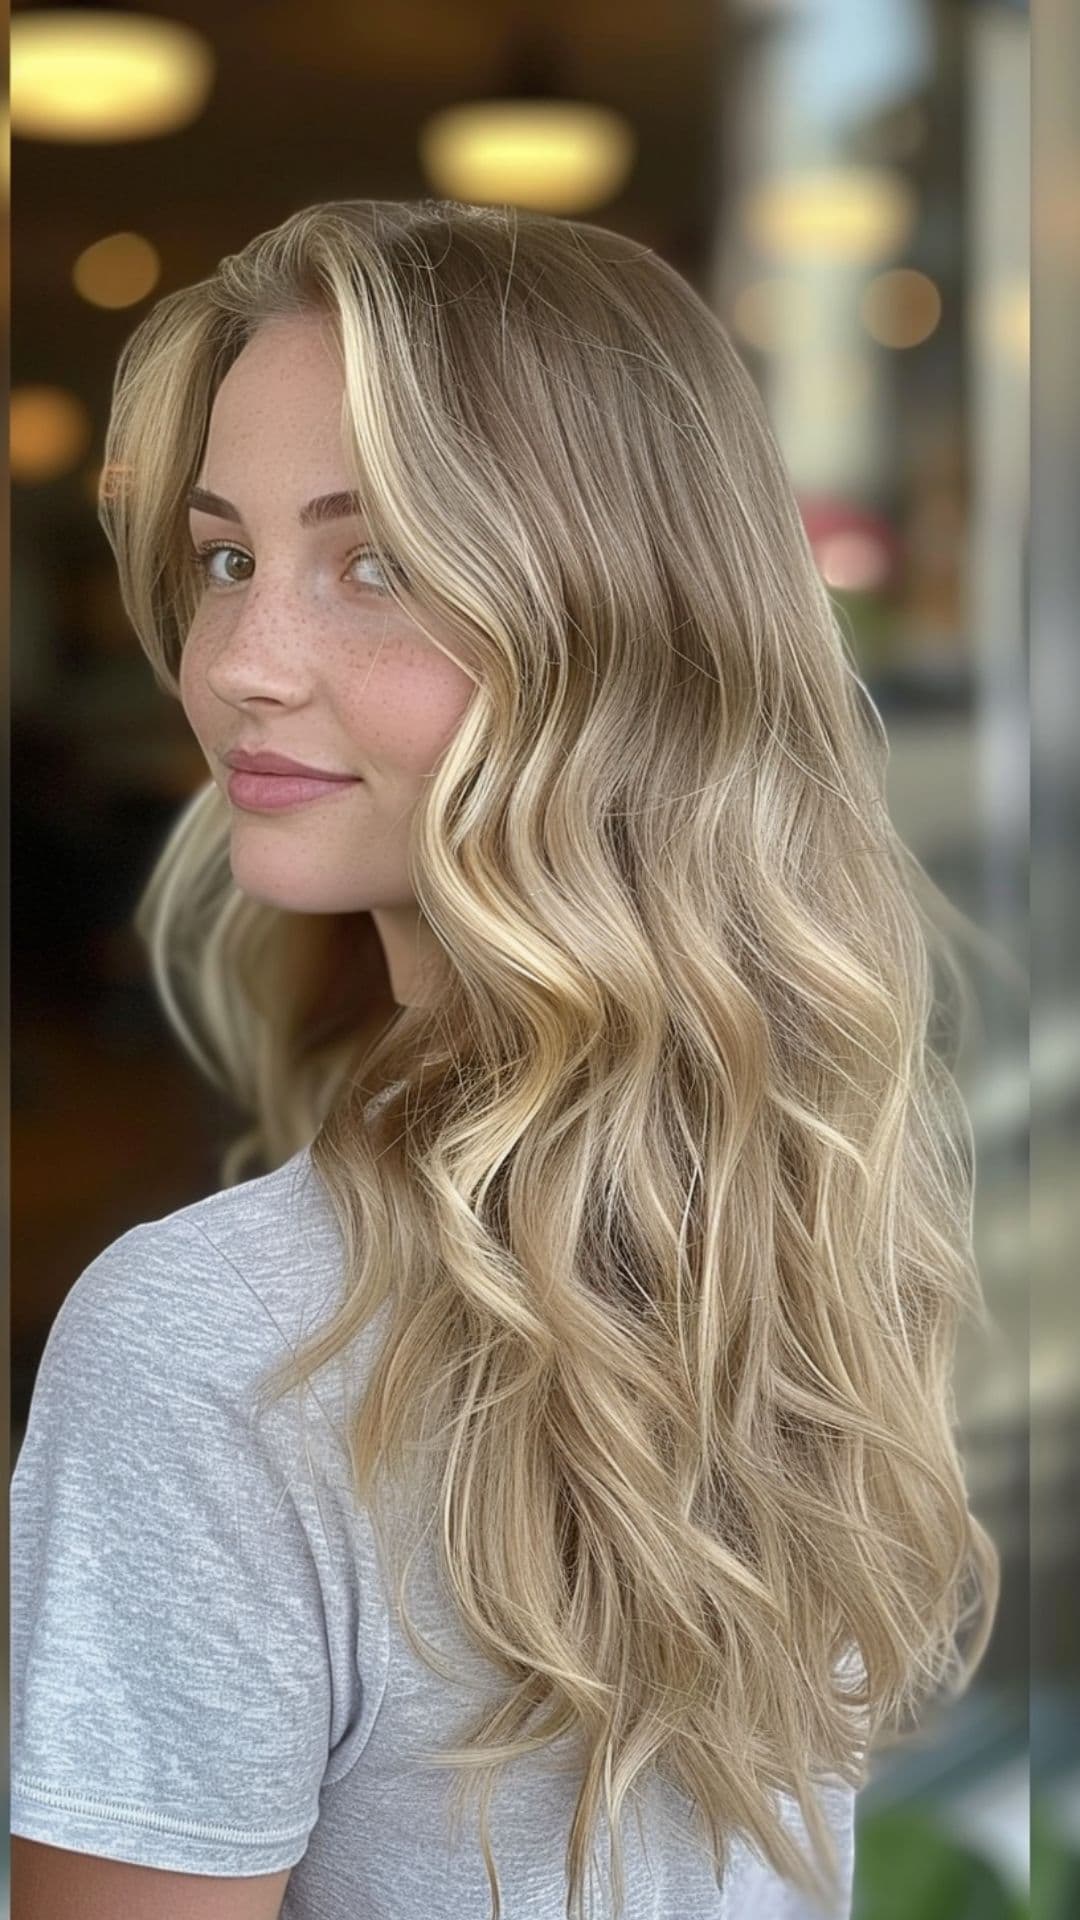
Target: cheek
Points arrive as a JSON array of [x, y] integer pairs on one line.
[[185, 676], [410, 712], [192, 683]]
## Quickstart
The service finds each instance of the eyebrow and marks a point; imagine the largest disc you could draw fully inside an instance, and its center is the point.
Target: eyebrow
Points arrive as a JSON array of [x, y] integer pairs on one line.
[[327, 506]]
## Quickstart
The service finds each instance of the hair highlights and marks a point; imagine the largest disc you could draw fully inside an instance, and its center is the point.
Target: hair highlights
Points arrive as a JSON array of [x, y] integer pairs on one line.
[[670, 1194]]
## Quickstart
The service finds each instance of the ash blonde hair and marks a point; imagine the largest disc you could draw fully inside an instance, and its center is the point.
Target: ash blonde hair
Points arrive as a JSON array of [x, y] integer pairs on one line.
[[670, 1190]]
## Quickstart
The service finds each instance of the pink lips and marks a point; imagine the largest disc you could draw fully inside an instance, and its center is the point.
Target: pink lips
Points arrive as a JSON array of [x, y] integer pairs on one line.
[[267, 782], [269, 792], [264, 762]]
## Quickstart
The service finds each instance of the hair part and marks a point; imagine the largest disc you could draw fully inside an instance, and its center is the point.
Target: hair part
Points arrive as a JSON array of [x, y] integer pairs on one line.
[[669, 1196]]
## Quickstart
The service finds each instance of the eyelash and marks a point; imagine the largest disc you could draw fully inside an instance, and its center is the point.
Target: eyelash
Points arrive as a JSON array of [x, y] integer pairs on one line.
[[203, 552]]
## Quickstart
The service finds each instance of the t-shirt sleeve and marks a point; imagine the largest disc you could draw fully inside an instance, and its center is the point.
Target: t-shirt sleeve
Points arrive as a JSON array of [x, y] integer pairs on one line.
[[788, 1902], [171, 1689]]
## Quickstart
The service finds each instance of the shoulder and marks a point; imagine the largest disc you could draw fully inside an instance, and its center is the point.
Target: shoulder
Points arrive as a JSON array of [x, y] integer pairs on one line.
[[183, 1567], [216, 1289], [264, 1214], [185, 1318]]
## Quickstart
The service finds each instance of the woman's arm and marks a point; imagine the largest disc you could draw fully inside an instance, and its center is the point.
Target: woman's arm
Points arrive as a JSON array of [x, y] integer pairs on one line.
[[54, 1883]]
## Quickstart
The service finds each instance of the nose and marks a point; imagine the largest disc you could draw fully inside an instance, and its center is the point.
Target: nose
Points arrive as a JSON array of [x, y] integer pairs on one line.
[[260, 653]]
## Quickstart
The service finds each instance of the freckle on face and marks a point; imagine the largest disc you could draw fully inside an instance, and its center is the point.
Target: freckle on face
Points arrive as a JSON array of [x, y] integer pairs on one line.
[[311, 665]]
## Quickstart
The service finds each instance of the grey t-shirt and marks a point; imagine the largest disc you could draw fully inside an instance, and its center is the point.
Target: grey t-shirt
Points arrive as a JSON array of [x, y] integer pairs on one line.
[[208, 1674]]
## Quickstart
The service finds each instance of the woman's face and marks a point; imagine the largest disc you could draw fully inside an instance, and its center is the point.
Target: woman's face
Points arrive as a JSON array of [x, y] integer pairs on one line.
[[294, 649]]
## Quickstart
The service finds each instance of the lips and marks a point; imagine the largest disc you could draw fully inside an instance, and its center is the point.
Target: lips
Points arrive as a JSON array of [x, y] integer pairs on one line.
[[280, 763], [278, 792]]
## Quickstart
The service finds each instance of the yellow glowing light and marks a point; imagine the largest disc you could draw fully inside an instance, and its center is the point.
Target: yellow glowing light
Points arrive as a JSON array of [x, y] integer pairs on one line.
[[105, 76], [559, 155], [117, 271], [901, 308], [49, 431], [840, 214]]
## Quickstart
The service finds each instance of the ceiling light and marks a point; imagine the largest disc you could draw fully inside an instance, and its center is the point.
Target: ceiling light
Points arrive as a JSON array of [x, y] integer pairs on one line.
[[533, 143], [565, 156], [105, 76]]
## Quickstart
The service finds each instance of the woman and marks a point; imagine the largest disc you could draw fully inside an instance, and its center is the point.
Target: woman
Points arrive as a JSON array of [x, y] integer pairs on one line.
[[605, 1201]]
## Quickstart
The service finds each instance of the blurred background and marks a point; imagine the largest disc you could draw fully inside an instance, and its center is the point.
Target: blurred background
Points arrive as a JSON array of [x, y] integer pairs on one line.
[[847, 183]]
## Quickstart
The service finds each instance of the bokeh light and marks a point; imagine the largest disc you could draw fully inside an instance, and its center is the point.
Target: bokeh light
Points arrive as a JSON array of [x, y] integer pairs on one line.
[[105, 76], [50, 433], [901, 308], [840, 214], [563, 156], [117, 271]]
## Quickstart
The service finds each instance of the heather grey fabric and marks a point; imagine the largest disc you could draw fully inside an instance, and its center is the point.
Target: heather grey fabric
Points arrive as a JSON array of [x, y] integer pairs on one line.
[[207, 1670]]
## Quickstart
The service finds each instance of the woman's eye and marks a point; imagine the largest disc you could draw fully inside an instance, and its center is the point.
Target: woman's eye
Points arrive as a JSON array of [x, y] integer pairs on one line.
[[370, 558], [205, 555]]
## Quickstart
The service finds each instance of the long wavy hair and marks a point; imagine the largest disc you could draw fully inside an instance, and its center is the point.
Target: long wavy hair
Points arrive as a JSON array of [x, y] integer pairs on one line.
[[668, 1180]]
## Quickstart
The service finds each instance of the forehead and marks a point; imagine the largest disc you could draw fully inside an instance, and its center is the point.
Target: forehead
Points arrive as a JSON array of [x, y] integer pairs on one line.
[[286, 384]]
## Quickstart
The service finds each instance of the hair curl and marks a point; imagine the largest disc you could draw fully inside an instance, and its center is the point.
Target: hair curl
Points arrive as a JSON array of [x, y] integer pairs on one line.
[[670, 1188]]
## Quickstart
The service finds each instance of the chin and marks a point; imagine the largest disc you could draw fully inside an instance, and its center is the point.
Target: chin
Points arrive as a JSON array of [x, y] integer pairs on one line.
[[295, 895]]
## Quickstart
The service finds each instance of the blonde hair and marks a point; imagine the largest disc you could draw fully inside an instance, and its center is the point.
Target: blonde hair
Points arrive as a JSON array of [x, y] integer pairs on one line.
[[671, 1185]]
